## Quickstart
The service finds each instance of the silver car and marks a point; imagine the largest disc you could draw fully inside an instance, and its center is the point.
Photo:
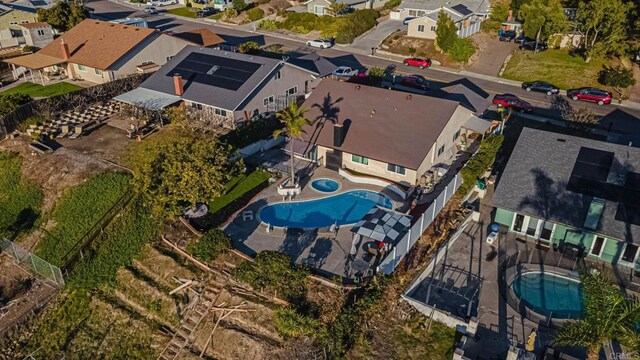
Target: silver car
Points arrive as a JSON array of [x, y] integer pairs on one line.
[[320, 43]]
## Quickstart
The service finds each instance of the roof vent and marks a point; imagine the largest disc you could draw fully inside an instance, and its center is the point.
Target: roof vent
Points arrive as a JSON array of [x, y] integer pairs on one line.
[[409, 97], [561, 140], [373, 112], [358, 87]]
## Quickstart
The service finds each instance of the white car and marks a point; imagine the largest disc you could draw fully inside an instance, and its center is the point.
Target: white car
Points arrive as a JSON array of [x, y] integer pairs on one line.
[[162, 2], [344, 72], [150, 10], [319, 43]]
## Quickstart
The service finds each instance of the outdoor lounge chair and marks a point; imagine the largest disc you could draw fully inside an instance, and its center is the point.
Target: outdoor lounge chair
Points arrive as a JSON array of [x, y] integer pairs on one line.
[[77, 132], [65, 130]]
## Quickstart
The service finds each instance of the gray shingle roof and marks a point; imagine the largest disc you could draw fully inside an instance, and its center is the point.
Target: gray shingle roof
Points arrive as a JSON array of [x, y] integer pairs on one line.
[[535, 182], [463, 7], [319, 65]]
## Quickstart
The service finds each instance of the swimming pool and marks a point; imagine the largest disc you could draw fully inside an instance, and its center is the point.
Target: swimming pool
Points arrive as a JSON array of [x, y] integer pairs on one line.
[[344, 208], [550, 294], [325, 185]]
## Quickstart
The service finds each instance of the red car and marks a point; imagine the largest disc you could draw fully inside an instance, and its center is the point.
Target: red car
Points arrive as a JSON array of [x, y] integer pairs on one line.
[[512, 101], [417, 62], [597, 96]]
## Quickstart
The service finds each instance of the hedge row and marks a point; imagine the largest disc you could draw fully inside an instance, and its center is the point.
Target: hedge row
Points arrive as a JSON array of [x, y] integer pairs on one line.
[[480, 162]]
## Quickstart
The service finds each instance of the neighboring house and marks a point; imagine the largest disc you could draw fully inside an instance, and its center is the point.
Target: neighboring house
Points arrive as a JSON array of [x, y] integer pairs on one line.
[[466, 14], [29, 5], [132, 21], [234, 87], [383, 133], [10, 18], [322, 7], [203, 37], [99, 52], [317, 65], [564, 192], [38, 34]]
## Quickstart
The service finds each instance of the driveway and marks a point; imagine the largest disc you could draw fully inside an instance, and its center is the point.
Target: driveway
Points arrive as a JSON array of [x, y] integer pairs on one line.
[[491, 54], [375, 37]]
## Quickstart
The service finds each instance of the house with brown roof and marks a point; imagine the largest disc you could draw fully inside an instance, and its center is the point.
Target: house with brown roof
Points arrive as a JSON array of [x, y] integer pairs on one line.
[[203, 37], [98, 52], [383, 133]]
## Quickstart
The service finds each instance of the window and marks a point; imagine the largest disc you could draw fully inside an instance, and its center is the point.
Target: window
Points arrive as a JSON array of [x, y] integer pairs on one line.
[[518, 222], [220, 112], [532, 227], [456, 135], [433, 28], [413, 13], [547, 231], [420, 28], [440, 150], [82, 68], [278, 74], [629, 253], [25, 22], [98, 72], [360, 159], [40, 32], [396, 169], [197, 106], [269, 100], [317, 9], [13, 23], [292, 91], [597, 246]]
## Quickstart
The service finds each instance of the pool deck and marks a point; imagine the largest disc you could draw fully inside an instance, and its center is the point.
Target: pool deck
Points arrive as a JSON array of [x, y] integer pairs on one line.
[[328, 253]]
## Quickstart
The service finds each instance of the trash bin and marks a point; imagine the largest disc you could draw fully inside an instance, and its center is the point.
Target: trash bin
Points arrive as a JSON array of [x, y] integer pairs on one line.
[[494, 227], [481, 184]]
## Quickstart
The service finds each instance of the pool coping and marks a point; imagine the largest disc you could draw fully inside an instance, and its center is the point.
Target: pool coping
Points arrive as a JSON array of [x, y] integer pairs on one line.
[[336, 191]]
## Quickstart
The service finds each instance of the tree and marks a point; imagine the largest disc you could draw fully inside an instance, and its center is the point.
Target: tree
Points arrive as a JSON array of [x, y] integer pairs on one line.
[[618, 78], [499, 14], [604, 25], [609, 314], [63, 15], [182, 170], [446, 32], [212, 244], [577, 118], [292, 117], [239, 5], [336, 8], [249, 47], [542, 18], [10, 102]]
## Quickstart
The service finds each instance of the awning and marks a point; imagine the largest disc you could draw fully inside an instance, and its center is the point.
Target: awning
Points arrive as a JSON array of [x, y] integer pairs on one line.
[[383, 225], [149, 99], [478, 125], [35, 61]]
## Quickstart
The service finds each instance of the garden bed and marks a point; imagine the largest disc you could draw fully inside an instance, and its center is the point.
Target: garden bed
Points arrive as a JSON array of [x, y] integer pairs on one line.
[[400, 43]]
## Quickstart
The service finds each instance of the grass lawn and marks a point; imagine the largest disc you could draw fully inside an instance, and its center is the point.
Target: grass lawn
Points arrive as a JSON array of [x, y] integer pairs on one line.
[[555, 66], [237, 187], [184, 11], [35, 90]]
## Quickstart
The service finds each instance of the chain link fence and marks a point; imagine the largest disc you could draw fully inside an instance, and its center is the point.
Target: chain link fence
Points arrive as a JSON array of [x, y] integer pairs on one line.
[[32, 262]]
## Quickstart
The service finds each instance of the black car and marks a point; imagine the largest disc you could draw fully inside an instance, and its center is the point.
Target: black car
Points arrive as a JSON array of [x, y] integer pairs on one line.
[[523, 39], [507, 35], [541, 86], [533, 46], [206, 11]]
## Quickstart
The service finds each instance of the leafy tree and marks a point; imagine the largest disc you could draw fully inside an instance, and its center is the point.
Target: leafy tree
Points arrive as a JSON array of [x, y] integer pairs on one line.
[[618, 78], [212, 243], [249, 47], [335, 7], [446, 32], [63, 15], [609, 314], [499, 14], [462, 50], [604, 25], [542, 18], [239, 5], [10, 102], [255, 14], [183, 170], [516, 5], [292, 117]]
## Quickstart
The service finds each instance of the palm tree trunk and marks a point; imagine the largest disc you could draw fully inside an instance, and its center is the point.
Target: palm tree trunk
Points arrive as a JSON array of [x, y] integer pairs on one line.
[[293, 179], [593, 352]]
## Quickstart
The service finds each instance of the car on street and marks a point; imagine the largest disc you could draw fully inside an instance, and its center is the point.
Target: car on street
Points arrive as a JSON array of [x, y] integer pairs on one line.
[[406, 20], [320, 43], [541, 86], [417, 62], [508, 35], [536, 46], [162, 2], [345, 72], [513, 102], [206, 11], [150, 10], [411, 83], [595, 95]]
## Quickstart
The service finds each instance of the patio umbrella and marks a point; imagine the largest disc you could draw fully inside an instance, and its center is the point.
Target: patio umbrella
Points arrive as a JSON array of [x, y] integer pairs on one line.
[[383, 225]]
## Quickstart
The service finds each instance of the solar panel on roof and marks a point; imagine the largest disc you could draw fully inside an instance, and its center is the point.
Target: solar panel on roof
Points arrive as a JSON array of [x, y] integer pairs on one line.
[[462, 9], [216, 71]]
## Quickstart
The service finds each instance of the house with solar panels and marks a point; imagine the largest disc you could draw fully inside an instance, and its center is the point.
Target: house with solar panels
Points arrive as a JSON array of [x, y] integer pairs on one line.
[[567, 192], [232, 86], [466, 14]]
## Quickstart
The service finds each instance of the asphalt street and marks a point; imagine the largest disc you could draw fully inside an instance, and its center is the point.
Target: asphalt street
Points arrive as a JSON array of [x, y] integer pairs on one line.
[[619, 118]]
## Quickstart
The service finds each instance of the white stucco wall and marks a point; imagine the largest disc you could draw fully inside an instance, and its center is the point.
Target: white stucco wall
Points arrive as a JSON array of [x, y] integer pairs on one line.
[[157, 48], [428, 33]]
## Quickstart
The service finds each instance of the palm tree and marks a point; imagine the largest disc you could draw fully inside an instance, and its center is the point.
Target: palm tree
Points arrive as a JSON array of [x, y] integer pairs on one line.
[[292, 117], [609, 314]]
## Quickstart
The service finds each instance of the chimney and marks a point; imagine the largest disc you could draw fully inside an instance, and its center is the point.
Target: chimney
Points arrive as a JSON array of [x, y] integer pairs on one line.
[[177, 85], [338, 135], [65, 50]]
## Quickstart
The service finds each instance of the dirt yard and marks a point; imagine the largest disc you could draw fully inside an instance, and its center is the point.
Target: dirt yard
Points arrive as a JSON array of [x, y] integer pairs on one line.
[[400, 43]]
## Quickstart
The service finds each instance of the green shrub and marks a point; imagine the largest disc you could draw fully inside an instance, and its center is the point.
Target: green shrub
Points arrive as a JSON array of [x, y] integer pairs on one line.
[[34, 120], [411, 50], [277, 273], [213, 243], [480, 162], [289, 323], [255, 14], [249, 47], [229, 14], [391, 4], [462, 50], [268, 24], [239, 5], [10, 102], [356, 24]]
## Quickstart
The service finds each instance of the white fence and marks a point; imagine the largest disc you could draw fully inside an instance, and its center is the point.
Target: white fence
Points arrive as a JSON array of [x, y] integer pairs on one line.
[[32, 262], [411, 237], [260, 146]]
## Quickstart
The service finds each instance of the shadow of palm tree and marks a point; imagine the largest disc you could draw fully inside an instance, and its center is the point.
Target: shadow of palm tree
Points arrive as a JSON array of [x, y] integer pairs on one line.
[[328, 112]]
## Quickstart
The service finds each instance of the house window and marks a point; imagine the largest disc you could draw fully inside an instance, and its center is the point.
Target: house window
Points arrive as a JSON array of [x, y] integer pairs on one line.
[[433, 28], [597, 246], [40, 32], [98, 72], [412, 13], [13, 23], [456, 135], [440, 150], [629, 253], [278, 74], [292, 91], [197, 106], [547, 231], [396, 169], [82, 68], [420, 28], [220, 112], [25, 22], [532, 228], [317, 9], [518, 222], [360, 159], [269, 100]]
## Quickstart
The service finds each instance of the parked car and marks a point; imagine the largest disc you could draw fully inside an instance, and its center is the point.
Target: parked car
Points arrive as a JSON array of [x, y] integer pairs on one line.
[[162, 2], [206, 11], [512, 101], [150, 10], [347, 10], [541, 86], [595, 95], [507, 35], [418, 62], [523, 39], [533, 46], [405, 22], [344, 72], [411, 83], [320, 43]]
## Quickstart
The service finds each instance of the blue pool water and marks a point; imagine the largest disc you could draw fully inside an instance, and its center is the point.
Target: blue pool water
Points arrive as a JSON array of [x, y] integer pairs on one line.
[[344, 208], [325, 185], [550, 294]]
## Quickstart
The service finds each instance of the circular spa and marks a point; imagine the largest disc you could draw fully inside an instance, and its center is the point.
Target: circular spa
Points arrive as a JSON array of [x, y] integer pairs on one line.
[[549, 294], [325, 185]]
